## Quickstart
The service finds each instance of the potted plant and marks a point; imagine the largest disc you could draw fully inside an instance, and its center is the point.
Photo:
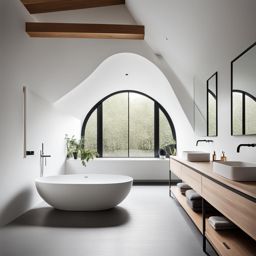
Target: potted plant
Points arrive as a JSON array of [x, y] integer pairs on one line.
[[77, 150], [162, 153], [72, 146], [167, 150]]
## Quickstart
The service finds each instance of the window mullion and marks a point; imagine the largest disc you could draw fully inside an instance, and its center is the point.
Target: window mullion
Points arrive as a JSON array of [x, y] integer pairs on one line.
[[128, 124], [156, 129], [243, 113], [100, 130]]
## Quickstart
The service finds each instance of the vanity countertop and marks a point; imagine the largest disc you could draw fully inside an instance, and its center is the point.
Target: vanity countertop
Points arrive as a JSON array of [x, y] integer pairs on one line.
[[206, 169]]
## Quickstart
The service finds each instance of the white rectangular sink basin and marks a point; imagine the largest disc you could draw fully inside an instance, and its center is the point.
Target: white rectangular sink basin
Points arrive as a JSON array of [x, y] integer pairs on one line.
[[235, 170], [196, 156]]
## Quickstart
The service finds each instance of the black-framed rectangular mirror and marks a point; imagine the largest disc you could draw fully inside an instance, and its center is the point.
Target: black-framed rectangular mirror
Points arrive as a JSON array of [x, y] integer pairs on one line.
[[243, 93], [206, 106], [212, 105]]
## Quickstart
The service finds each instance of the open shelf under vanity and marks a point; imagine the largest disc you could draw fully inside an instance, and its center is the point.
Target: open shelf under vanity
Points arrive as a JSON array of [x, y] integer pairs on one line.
[[235, 242], [225, 242]]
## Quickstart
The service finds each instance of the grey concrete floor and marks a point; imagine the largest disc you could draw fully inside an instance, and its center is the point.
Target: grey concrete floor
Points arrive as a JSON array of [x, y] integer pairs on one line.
[[148, 222]]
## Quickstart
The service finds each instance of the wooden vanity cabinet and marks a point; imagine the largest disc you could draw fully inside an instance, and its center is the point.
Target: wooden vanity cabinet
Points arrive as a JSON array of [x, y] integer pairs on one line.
[[192, 178], [238, 209], [236, 205]]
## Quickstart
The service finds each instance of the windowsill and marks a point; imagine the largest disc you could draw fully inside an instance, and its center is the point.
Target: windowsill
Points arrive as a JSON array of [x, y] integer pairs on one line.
[[126, 159]]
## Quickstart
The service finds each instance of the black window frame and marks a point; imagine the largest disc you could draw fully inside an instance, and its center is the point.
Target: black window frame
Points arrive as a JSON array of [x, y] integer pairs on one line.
[[157, 107], [244, 94]]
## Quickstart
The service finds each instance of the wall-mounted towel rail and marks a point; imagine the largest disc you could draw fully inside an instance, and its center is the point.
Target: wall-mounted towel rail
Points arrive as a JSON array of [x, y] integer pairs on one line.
[[24, 121]]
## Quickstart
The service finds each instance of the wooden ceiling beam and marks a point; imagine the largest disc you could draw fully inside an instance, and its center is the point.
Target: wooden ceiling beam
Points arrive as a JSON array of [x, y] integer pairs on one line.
[[41, 6], [77, 30]]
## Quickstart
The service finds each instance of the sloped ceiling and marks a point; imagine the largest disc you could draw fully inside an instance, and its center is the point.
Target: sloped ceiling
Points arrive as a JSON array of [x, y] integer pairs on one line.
[[52, 67], [195, 37]]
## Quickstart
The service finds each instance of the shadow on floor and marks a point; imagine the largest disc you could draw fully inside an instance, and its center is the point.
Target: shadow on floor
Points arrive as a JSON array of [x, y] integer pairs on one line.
[[50, 217], [17, 205], [195, 230]]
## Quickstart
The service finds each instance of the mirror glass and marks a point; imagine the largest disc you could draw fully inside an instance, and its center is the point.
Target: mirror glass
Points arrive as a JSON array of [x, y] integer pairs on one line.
[[200, 92], [212, 105], [205, 108], [243, 93]]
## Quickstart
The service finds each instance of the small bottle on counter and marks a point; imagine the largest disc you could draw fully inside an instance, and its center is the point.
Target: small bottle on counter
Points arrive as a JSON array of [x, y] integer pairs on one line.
[[223, 157], [214, 156]]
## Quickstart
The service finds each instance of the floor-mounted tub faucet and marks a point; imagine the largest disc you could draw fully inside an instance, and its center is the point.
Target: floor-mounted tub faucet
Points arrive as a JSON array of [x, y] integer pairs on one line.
[[42, 160], [207, 141], [245, 145]]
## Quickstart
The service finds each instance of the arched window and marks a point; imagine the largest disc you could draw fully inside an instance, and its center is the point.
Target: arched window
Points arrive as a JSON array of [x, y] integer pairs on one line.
[[244, 108], [129, 124]]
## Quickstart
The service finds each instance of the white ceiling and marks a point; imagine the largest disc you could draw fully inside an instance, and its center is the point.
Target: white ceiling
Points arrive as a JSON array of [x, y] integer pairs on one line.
[[116, 14], [110, 76], [195, 37]]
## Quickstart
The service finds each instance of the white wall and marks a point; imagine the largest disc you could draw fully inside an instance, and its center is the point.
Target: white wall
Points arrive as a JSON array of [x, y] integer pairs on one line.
[[50, 68], [45, 124], [196, 38], [143, 76], [225, 141]]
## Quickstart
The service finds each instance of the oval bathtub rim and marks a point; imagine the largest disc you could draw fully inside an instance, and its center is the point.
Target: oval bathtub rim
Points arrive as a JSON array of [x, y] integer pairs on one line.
[[46, 180]]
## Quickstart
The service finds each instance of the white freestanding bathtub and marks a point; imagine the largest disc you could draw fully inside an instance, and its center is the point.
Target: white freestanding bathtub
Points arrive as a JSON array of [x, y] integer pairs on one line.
[[84, 192]]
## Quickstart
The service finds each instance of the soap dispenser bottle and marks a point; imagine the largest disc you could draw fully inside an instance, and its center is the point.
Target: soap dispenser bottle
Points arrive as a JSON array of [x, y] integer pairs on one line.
[[214, 156], [223, 157]]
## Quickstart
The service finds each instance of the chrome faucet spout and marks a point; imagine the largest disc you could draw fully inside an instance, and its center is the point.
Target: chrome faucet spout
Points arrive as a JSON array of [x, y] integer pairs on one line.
[[43, 158]]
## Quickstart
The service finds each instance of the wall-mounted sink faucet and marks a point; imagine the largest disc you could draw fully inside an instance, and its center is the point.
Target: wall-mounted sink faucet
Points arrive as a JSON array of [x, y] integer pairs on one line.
[[207, 141], [42, 160], [245, 145]]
